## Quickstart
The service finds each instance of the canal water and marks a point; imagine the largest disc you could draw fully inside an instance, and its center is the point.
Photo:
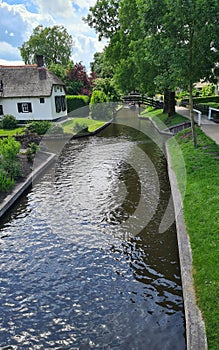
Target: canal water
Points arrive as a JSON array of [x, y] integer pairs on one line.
[[82, 265]]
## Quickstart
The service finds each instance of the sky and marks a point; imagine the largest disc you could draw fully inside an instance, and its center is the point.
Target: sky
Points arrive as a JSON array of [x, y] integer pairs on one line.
[[18, 18]]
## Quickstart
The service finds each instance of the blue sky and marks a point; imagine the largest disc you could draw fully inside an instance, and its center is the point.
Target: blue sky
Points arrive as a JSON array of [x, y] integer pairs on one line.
[[18, 18]]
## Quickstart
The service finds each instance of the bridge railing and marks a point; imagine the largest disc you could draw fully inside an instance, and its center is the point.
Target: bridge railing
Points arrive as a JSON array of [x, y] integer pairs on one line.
[[142, 100]]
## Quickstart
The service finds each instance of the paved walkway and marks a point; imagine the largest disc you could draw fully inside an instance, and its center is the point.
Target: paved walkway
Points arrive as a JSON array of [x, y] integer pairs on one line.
[[210, 128]]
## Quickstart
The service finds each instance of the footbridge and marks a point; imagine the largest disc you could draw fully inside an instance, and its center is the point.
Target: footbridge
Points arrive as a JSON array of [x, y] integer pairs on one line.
[[141, 100]]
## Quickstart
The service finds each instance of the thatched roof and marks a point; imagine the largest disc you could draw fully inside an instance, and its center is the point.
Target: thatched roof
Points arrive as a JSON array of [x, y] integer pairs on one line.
[[27, 81]]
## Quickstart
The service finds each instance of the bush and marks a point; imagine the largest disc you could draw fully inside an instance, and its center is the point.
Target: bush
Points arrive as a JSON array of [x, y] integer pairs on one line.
[[39, 127], [31, 151], [76, 102], [207, 99], [9, 122], [9, 149], [6, 183], [55, 129], [98, 105]]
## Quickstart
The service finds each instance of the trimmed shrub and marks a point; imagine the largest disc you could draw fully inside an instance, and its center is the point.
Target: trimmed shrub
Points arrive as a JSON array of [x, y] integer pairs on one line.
[[9, 122], [207, 99], [76, 101], [39, 127]]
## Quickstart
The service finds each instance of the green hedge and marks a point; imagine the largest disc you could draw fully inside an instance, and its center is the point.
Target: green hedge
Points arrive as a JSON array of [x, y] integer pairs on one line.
[[76, 101], [206, 99]]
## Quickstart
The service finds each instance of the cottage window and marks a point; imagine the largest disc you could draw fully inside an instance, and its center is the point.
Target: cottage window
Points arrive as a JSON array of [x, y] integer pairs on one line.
[[63, 103], [24, 107], [60, 103], [42, 100], [1, 110]]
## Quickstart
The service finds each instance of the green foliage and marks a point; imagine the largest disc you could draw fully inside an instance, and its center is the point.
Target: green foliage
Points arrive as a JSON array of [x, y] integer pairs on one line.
[[99, 107], [80, 127], [6, 183], [39, 127], [9, 122], [92, 125], [9, 165], [208, 90], [100, 66], [207, 99], [32, 149], [108, 86], [75, 102], [54, 43], [55, 129], [58, 70]]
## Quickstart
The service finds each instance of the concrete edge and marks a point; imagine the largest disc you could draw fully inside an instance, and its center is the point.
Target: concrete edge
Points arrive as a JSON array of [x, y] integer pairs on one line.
[[195, 327], [21, 187], [155, 125]]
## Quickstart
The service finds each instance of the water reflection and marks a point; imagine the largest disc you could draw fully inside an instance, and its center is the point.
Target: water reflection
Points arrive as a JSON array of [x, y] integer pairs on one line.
[[70, 278]]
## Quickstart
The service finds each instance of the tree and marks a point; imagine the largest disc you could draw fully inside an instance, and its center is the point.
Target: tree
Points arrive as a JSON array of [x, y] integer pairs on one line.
[[186, 39], [100, 66], [78, 82], [177, 41], [103, 17], [195, 43], [107, 86], [54, 43]]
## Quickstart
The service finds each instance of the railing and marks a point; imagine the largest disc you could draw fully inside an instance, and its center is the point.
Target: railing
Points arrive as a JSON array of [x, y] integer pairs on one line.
[[202, 108], [199, 115], [176, 128], [210, 110], [142, 100]]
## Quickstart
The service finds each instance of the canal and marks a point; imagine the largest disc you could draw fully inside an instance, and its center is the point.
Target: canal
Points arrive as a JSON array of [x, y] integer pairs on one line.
[[89, 256]]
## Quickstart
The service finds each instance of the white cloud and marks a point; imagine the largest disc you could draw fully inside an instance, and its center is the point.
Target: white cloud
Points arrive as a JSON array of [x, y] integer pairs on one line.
[[11, 63], [18, 22], [84, 4], [57, 8], [8, 51]]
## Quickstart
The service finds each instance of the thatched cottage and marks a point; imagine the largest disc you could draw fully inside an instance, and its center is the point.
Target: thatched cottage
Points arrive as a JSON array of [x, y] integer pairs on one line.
[[31, 92]]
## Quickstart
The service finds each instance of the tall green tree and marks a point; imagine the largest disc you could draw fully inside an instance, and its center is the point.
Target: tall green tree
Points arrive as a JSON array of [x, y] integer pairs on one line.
[[100, 66], [54, 43], [184, 36], [103, 17], [194, 25]]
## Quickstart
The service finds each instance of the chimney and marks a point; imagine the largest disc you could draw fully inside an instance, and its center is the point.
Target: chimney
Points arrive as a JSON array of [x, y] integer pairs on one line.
[[41, 67], [40, 61]]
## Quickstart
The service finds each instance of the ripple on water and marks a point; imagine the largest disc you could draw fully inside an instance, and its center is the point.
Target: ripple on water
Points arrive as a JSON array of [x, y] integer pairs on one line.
[[69, 280]]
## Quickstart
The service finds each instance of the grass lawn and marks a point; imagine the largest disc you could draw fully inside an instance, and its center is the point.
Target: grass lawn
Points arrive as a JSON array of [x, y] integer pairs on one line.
[[201, 213], [161, 119], [13, 132], [71, 126]]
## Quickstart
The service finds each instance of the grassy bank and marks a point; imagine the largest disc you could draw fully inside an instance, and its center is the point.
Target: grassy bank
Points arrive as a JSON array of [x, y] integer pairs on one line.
[[13, 132], [161, 119], [201, 213], [76, 124]]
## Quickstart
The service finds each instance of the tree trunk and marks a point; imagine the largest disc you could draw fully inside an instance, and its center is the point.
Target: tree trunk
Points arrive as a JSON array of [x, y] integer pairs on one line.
[[172, 102], [166, 101], [169, 103], [191, 112]]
